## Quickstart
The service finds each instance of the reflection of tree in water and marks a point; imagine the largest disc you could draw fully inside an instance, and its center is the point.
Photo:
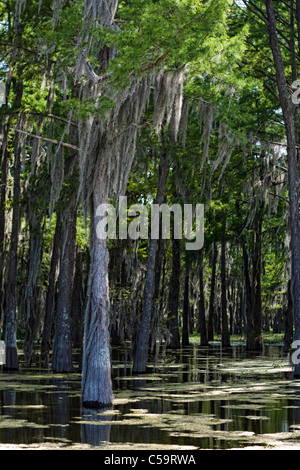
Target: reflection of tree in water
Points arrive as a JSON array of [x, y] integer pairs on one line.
[[94, 431]]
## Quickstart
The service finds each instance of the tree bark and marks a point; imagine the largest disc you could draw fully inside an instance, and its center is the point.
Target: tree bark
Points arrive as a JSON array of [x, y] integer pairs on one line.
[[62, 341], [288, 321], [211, 313], [248, 300], [96, 361], [256, 290], [289, 113], [50, 296], [12, 362], [201, 315], [77, 302], [3, 191], [173, 302], [186, 305], [224, 319], [30, 291]]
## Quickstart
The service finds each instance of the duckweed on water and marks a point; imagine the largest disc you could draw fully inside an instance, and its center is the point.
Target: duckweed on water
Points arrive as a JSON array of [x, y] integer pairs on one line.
[[211, 401]]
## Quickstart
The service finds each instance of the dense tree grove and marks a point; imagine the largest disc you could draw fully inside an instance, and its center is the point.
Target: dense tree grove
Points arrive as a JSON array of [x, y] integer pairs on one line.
[[166, 102]]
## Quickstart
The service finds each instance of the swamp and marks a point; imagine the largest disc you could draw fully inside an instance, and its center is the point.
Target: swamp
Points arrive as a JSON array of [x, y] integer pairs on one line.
[[197, 398], [149, 224]]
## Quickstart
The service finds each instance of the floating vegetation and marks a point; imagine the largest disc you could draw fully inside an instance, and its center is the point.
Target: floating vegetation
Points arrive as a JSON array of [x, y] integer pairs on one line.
[[217, 402]]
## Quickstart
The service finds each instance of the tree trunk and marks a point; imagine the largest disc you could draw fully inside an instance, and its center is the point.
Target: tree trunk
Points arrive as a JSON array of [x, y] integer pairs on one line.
[[248, 300], [288, 321], [289, 113], [201, 316], [77, 303], [50, 297], [224, 319], [142, 341], [12, 362], [96, 361], [30, 291], [186, 305], [211, 313], [3, 190], [62, 342], [174, 288], [256, 291]]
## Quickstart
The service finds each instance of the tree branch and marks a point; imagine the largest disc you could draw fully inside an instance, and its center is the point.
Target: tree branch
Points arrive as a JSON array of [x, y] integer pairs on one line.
[[56, 142]]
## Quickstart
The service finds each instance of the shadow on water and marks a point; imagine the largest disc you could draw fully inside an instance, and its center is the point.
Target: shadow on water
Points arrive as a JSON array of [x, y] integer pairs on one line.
[[196, 397]]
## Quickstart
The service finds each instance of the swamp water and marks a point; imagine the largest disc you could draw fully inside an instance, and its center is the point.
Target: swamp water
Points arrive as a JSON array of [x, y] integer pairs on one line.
[[198, 398]]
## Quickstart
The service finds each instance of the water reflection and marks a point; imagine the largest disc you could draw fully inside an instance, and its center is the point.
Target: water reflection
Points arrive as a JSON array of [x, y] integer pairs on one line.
[[202, 397], [95, 427]]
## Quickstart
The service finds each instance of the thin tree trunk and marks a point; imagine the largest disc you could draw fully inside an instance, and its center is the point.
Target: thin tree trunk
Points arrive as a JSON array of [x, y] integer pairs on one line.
[[248, 301], [201, 315], [288, 321], [186, 305], [256, 290], [211, 313], [50, 297], [173, 302], [224, 319], [77, 302], [289, 113]]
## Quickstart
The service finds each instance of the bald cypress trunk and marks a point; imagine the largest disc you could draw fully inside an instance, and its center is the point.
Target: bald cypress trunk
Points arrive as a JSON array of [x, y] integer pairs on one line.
[[50, 297], [289, 111], [186, 305], [3, 191], [62, 342], [224, 318], [173, 302], [201, 316], [211, 313], [256, 304], [12, 362], [96, 362]]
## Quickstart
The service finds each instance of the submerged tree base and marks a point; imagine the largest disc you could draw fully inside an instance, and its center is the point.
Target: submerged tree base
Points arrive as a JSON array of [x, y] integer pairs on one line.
[[11, 356], [95, 405]]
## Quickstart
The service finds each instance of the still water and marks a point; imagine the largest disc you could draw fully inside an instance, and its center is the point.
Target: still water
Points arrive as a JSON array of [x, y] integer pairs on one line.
[[197, 398]]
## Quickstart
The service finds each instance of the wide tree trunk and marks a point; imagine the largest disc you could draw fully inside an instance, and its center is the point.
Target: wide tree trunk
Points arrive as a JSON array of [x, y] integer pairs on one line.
[[289, 113], [96, 361]]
